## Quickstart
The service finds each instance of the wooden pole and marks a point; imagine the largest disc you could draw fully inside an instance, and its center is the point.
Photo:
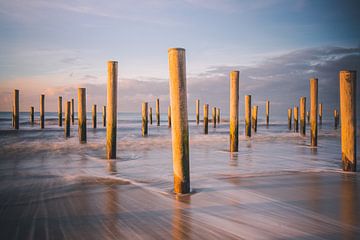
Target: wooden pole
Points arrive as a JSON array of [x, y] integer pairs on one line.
[[82, 115], [218, 115], [320, 113], [313, 110], [72, 112], [252, 117], [336, 118], [348, 119], [32, 115], [179, 117], [214, 116], [94, 116], [206, 118], [234, 111], [296, 119], [150, 115], [158, 112], [197, 110], [267, 112], [302, 116], [169, 116], [308, 117], [144, 113], [111, 108], [60, 111], [248, 115], [16, 109], [255, 109], [42, 111], [67, 119], [104, 116], [289, 118], [13, 115]]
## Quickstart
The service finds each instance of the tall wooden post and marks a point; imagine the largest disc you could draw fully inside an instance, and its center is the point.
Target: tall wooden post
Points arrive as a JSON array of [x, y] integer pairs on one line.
[[267, 112], [72, 112], [206, 118], [255, 109], [179, 117], [234, 111], [158, 112], [67, 119], [336, 118], [320, 113], [42, 111], [248, 115], [144, 114], [313, 110], [16, 109], [214, 116], [60, 111], [218, 115], [150, 115], [197, 110], [32, 115], [104, 116], [348, 119], [111, 122], [169, 116], [302, 116], [289, 118], [94, 116], [296, 119], [82, 115]]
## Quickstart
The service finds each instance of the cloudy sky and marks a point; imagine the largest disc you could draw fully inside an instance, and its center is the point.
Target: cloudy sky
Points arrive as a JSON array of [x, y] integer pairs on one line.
[[54, 47]]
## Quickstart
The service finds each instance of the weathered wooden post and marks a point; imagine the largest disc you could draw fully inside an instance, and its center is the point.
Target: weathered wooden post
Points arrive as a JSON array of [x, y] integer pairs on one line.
[[144, 113], [104, 116], [111, 122], [313, 110], [348, 119], [67, 119], [169, 116], [158, 111], [206, 118], [16, 109], [248, 115], [302, 116], [72, 112], [32, 115], [94, 116], [60, 111], [296, 119], [255, 109], [214, 116], [82, 115], [336, 118], [197, 110], [179, 118], [267, 112], [320, 113], [150, 115], [13, 115], [252, 117], [308, 116], [218, 115], [42, 111], [289, 118], [234, 111]]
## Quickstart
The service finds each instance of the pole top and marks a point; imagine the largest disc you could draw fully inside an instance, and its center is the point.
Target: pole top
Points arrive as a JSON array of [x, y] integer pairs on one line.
[[176, 49]]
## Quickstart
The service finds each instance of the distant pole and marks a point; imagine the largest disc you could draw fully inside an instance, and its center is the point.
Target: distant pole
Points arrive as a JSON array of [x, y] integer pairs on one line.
[[104, 116], [150, 115], [111, 108], [252, 117], [82, 115], [16, 109], [348, 119], [308, 117], [234, 111], [169, 116], [206, 118], [42, 111], [289, 118], [72, 112], [313, 110], [94, 116], [144, 113], [214, 116], [248, 115], [60, 111], [336, 118], [197, 110], [13, 115], [32, 115], [267, 112], [302, 116], [67, 119], [158, 112], [218, 115], [296, 119], [179, 117], [255, 109], [320, 113]]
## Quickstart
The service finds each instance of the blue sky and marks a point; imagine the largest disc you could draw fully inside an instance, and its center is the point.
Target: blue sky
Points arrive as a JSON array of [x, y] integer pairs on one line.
[[53, 46]]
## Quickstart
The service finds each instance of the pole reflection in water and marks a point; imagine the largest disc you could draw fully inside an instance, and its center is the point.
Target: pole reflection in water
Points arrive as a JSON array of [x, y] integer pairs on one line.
[[181, 220]]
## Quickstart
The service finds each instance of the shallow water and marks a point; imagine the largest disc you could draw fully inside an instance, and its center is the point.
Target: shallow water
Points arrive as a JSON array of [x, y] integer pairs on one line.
[[41, 170]]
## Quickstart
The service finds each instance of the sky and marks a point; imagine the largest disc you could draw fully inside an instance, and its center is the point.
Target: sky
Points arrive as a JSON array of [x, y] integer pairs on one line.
[[54, 47]]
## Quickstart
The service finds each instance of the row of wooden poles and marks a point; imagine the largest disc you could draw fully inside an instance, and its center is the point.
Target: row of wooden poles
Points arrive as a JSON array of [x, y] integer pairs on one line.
[[178, 116]]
